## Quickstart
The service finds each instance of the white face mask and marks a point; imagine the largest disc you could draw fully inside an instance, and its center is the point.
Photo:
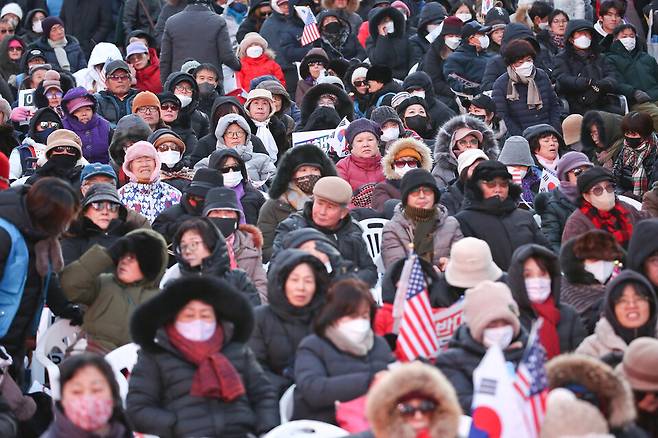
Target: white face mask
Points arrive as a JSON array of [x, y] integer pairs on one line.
[[170, 158], [389, 27], [628, 43], [232, 179], [453, 42], [525, 69], [538, 288], [197, 330], [600, 269], [501, 336], [254, 51], [184, 100], [418, 93], [402, 171], [464, 17], [605, 202], [37, 27], [582, 42], [543, 25], [390, 134], [355, 330], [484, 41]]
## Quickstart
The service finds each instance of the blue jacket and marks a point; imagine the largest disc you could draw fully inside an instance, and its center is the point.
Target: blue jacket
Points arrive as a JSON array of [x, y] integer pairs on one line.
[[517, 115], [12, 282], [467, 63]]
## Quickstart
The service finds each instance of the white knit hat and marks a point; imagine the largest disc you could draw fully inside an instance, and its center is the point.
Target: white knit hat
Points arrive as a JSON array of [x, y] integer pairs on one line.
[[12, 8]]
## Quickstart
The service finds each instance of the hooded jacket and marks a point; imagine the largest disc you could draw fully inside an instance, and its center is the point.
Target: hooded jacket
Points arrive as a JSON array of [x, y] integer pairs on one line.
[[189, 116], [8, 67], [432, 64], [95, 134], [445, 162], [148, 78], [432, 13], [256, 67], [90, 78], [29, 35], [466, 63], [91, 280], [642, 245], [159, 400], [344, 44], [570, 329], [348, 13], [23, 159], [609, 128], [280, 326], [312, 114], [439, 112], [393, 50], [636, 70]]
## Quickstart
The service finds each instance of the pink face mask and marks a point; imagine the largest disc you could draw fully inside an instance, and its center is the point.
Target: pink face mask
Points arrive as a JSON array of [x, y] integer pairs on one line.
[[88, 413]]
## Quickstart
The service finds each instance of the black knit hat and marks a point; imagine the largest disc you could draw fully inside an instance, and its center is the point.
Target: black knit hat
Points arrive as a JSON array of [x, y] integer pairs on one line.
[[488, 170], [416, 178], [204, 180], [380, 73], [169, 97], [588, 178], [221, 198]]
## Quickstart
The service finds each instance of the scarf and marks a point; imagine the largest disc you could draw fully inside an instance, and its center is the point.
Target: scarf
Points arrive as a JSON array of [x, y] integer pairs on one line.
[[295, 197], [347, 346], [267, 138], [548, 332], [569, 190], [215, 377], [615, 221], [548, 164], [634, 159], [231, 252], [533, 99], [239, 193], [184, 173], [423, 230], [557, 40], [60, 53]]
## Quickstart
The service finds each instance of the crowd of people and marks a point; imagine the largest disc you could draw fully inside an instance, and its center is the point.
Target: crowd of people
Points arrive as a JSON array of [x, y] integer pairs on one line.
[[167, 180]]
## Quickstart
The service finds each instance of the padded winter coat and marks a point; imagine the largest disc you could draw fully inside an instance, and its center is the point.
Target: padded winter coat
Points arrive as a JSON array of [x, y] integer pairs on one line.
[[393, 50], [554, 209], [74, 53]]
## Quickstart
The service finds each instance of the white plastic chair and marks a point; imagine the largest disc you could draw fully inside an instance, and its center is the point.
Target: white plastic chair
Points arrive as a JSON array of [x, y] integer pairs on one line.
[[630, 201], [51, 348], [37, 371], [286, 404], [307, 428], [372, 234], [122, 358]]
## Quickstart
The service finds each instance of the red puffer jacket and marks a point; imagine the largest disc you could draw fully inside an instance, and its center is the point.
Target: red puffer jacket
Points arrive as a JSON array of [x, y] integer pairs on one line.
[[255, 67], [148, 78]]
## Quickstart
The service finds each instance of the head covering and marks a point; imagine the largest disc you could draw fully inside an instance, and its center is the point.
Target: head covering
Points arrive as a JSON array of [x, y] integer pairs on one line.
[[48, 23], [471, 263], [639, 365], [460, 133], [359, 72], [483, 101], [141, 149], [112, 66], [468, 157], [63, 137], [12, 8], [52, 80], [101, 192], [145, 98], [452, 26], [380, 73], [221, 198], [569, 161], [95, 169], [571, 127], [76, 103], [359, 126], [490, 169], [418, 178], [487, 302], [333, 189], [260, 93], [136, 47], [249, 40], [205, 179], [516, 152], [189, 66], [590, 177], [473, 27]]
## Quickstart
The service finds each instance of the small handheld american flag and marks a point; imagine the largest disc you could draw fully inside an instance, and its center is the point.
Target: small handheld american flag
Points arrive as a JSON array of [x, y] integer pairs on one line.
[[310, 32]]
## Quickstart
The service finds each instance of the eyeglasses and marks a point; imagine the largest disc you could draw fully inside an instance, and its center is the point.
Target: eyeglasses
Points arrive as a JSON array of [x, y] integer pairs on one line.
[[169, 107], [231, 168], [422, 191], [424, 407], [119, 77], [105, 205], [183, 88], [190, 246], [53, 94], [147, 109], [577, 172], [598, 190], [493, 183], [15, 49], [234, 134], [401, 163], [471, 142], [65, 150], [632, 301], [4, 31], [46, 125], [360, 83]]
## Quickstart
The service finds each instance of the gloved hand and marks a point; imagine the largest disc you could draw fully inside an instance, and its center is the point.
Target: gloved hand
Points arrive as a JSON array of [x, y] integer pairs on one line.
[[20, 114], [74, 313], [641, 97], [119, 248]]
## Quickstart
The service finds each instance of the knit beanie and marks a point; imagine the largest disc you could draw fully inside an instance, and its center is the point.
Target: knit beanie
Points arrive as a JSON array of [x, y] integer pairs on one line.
[[361, 125], [468, 157], [48, 23], [249, 40], [63, 137], [385, 113], [145, 98], [590, 177], [418, 178], [333, 189], [380, 73], [12, 8], [569, 161], [101, 192], [408, 152], [471, 263], [141, 149], [359, 72], [487, 302], [516, 152], [4, 172], [571, 127], [639, 365], [52, 80]]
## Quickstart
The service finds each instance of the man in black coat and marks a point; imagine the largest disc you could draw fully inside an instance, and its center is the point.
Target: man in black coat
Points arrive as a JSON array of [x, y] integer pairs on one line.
[[90, 21]]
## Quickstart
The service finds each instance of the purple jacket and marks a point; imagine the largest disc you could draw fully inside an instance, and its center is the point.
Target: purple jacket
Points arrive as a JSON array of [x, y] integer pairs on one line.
[[95, 134]]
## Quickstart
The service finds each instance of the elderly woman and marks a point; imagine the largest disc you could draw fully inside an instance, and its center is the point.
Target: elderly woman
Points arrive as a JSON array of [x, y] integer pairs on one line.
[[363, 164], [146, 193], [194, 366], [171, 150], [546, 144], [60, 50]]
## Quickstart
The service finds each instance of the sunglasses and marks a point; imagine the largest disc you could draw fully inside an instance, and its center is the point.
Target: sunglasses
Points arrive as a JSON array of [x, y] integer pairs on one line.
[[598, 190], [401, 163], [15, 49], [577, 172], [65, 150], [53, 94], [164, 147], [46, 125], [105, 205], [119, 77], [231, 168], [169, 107], [425, 407], [360, 83]]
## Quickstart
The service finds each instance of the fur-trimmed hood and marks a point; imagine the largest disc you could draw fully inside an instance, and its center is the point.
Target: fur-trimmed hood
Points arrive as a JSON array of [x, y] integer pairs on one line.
[[150, 248], [404, 143], [291, 159], [254, 232], [352, 5], [443, 155], [599, 378], [344, 105], [395, 15], [231, 307], [381, 404]]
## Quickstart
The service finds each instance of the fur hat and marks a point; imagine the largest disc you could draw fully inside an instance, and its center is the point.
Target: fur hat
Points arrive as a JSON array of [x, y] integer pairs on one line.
[[639, 364], [359, 126], [471, 263], [249, 40], [571, 127], [150, 249], [565, 414], [63, 137], [141, 149], [516, 152], [334, 189], [306, 154], [380, 73], [487, 302], [597, 245], [145, 98], [412, 378]]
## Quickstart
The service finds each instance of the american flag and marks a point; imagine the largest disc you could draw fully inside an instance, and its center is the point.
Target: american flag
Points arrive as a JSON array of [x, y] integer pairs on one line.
[[417, 336], [310, 32], [532, 384]]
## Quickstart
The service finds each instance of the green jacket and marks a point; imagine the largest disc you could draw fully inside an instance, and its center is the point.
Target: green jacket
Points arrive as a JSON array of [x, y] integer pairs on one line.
[[91, 281], [636, 70]]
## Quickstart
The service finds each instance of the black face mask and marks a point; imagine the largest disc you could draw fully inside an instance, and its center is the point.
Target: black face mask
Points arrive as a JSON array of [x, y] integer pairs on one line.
[[42, 136], [633, 142], [226, 225], [333, 28], [195, 206], [418, 123], [63, 161], [206, 89]]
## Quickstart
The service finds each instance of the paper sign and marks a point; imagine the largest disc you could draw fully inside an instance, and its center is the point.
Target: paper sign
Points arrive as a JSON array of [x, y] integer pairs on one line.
[[321, 139], [26, 98], [435, 33], [549, 181], [447, 321]]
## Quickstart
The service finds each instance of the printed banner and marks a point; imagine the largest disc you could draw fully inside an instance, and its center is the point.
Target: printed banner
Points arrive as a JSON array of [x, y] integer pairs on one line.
[[447, 321], [321, 139]]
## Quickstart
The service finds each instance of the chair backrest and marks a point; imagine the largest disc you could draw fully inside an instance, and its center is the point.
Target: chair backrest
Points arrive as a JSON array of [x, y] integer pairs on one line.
[[372, 234], [51, 348], [122, 360], [630, 201], [286, 404], [307, 428]]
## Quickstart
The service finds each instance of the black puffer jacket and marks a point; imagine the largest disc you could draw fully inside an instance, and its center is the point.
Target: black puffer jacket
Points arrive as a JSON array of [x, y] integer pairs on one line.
[[452, 197], [570, 329], [432, 13], [159, 400], [643, 244], [439, 111], [190, 116], [344, 106], [393, 50], [280, 326], [433, 65], [344, 45], [554, 209], [167, 222]]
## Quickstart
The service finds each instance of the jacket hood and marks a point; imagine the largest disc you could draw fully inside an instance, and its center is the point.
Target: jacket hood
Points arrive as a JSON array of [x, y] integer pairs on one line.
[[217, 263], [643, 244], [103, 53], [39, 116], [516, 281], [129, 128], [27, 21], [405, 143], [223, 124], [347, 78], [316, 54], [352, 5], [150, 248], [572, 267], [177, 77], [224, 100], [420, 79], [280, 269], [230, 307], [609, 126], [431, 13], [414, 377], [598, 378], [293, 158], [10, 67], [337, 15], [217, 156], [575, 25], [399, 22], [536, 130], [518, 31], [77, 93], [344, 105], [442, 147]]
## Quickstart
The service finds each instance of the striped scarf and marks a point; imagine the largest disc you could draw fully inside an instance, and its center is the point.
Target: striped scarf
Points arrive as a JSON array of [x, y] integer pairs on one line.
[[634, 159]]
